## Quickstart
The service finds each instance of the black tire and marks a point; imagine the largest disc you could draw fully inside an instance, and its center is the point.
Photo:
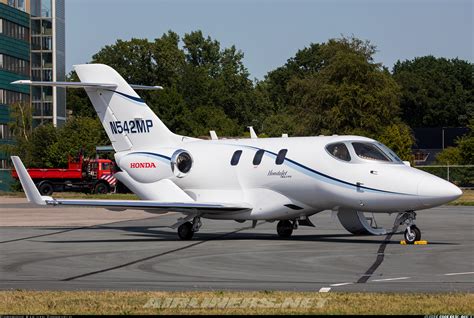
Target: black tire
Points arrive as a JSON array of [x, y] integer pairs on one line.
[[411, 239], [185, 231], [45, 188], [284, 228], [101, 188]]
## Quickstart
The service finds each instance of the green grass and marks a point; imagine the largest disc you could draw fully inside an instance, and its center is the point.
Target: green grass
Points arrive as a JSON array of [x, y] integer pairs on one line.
[[133, 302]]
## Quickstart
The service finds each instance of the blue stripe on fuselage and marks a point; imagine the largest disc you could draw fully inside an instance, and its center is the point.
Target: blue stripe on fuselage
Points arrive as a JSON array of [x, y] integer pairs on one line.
[[152, 154], [302, 168], [314, 173]]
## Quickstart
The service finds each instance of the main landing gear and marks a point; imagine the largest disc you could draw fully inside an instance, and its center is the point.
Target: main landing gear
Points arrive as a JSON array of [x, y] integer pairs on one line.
[[187, 229], [285, 228], [412, 232]]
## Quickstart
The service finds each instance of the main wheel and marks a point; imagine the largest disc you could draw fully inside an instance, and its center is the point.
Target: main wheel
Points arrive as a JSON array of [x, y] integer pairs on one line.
[[284, 228], [46, 188], [185, 231], [414, 236]]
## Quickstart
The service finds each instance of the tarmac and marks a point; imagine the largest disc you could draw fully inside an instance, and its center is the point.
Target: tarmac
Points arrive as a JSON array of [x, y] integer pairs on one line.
[[59, 248]]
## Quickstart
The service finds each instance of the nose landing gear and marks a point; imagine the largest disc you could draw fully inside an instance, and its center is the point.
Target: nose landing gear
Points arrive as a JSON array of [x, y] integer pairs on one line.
[[412, 232]]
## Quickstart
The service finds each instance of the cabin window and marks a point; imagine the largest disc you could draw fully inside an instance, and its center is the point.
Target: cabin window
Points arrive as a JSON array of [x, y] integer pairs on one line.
[[258, 157], [235, 158], [339, 151], [369, 151], [281, 156]]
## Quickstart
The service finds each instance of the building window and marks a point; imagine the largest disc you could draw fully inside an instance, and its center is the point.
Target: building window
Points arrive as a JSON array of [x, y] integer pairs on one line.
[[21, 5], [14, 30], [18, 4], [235, 158], [14, 65], [10, 97], [281, 156], [5, 164], [258, 157], [5, 133]]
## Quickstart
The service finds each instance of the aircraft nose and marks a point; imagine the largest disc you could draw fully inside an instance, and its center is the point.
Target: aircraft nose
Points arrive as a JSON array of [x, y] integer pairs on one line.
[[436, 191]]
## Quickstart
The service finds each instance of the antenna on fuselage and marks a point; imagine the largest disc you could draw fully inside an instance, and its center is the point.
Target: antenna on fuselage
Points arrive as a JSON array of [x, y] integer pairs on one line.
[[253, 135], [213, 135]]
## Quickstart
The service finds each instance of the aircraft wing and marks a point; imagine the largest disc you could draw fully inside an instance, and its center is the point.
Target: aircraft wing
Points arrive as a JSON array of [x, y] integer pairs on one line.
[[34, 196]]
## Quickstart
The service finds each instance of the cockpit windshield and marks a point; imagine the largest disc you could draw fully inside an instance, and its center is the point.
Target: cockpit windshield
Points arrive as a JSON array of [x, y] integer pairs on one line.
[[390, 153], [370, 151], [375, 151]]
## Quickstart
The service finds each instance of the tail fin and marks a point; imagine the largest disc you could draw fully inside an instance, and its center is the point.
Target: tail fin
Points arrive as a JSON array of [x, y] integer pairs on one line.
[[127, 119]]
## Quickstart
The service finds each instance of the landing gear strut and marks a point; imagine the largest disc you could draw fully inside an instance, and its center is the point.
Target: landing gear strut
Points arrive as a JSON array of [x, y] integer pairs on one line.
[[187, 229], [412, 232]]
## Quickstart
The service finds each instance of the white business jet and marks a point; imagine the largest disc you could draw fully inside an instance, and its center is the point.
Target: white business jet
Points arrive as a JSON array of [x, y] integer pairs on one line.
[[272, 179]]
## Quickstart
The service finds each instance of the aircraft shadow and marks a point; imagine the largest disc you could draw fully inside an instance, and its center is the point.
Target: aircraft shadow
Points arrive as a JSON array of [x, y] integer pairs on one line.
[[156, 234]]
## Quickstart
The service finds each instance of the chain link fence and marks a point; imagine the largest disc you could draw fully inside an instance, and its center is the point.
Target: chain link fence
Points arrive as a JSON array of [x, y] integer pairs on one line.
[[460, 175]]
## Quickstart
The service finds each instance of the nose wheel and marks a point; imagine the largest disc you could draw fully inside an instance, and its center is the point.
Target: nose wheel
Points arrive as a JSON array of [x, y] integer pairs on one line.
[[187, 229], [412, 232]]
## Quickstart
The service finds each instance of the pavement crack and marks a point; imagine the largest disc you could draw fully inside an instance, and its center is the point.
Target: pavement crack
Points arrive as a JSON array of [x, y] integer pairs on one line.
[[380, 257], [153, 256]]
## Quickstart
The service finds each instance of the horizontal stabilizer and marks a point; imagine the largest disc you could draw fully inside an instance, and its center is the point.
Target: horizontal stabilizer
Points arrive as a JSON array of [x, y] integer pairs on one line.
[[83, 85]]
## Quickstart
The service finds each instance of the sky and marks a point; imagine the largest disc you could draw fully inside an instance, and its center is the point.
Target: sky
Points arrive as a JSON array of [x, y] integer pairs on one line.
[[271, 32]]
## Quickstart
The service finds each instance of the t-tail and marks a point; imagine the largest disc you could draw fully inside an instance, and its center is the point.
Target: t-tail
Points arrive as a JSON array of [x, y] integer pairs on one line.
[[128, 121]]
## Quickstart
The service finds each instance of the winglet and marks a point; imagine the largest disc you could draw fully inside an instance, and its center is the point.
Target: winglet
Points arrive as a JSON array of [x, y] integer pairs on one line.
[[32, 193]]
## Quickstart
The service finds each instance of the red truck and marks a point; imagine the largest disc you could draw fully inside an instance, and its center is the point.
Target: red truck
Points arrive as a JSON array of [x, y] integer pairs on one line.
[[90, 175]]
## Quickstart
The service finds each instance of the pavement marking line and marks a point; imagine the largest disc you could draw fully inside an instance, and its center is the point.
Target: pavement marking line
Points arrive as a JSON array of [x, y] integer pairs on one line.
[[155, 256], [389, 279], [340, 284], [465, 273], [380, 257], [325, 289]]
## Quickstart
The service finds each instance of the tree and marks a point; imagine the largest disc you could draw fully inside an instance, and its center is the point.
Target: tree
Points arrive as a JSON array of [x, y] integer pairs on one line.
[[80, 134], [77, 100], [435, 92], [463, 153], [335, 88], [399, 138], [198, 74], [20, 126]]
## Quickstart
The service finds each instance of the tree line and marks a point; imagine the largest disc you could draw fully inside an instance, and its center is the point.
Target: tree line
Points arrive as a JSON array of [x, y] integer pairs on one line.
[[327, 88]]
